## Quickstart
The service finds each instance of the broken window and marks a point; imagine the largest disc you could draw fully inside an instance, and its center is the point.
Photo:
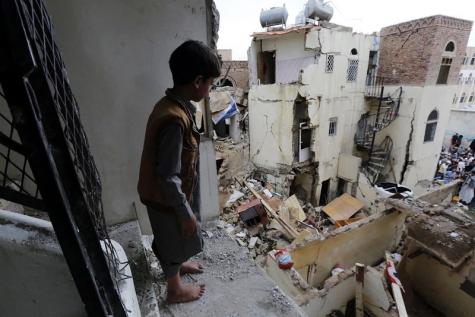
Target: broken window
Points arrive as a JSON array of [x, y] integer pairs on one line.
[[332, 126], [431, 126], [444, 71], [266, 67], [302, 131], [450, 47], [324, 193], [462, 98], [330, 62]]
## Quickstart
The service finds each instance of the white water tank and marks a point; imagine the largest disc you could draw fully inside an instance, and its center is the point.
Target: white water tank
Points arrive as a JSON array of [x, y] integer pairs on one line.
[[318, 10], [274, 16]]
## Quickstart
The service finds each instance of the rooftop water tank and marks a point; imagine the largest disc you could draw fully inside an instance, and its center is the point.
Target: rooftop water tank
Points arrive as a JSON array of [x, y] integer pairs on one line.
[[318, 10], [274, 16]]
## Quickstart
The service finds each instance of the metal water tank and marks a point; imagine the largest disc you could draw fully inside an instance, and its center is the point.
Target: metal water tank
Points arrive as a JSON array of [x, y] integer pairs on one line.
[[274, 16], [318, 10]]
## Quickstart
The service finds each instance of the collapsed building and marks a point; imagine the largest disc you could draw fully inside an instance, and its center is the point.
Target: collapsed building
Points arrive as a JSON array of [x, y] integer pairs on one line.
[[333, 111]]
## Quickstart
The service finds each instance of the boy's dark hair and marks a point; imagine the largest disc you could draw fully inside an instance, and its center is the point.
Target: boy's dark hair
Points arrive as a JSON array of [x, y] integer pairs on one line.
[[192, 59]]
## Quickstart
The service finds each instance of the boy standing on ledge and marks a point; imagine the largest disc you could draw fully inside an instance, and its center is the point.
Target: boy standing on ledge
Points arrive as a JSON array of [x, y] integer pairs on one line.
[[169, 167]]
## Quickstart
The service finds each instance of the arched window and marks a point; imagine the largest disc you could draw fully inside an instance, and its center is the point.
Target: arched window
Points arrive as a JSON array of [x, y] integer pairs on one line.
[[462, 98], [472, 61], [472, 96], [450, 47], [431, 126], [465, 60]]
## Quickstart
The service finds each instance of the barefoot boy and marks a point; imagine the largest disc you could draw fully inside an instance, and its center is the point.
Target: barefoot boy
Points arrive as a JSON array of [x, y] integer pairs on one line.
[[169, 167]]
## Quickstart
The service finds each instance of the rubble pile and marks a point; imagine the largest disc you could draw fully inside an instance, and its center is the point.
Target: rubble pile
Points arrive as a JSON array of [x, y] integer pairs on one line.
[[270, 221]]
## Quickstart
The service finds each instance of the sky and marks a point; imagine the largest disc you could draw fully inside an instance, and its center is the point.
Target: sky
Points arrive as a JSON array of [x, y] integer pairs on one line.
[[240, 18]]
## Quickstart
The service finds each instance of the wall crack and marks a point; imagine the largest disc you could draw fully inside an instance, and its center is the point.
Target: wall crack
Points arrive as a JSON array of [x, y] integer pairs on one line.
[[408, 147]]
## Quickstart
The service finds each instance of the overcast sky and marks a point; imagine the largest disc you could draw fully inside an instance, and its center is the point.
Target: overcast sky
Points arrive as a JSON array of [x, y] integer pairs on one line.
[[240, 18]]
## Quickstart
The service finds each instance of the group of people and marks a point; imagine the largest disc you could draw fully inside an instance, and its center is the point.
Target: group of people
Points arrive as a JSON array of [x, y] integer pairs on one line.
[[459, 162]]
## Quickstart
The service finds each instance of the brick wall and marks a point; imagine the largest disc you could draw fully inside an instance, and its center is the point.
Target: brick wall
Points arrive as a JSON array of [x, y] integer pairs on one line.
[[238, 73], [411, 52]]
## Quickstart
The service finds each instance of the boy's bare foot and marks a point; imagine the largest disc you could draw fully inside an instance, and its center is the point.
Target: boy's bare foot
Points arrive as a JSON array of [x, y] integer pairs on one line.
[[190, 267], [186, 293]]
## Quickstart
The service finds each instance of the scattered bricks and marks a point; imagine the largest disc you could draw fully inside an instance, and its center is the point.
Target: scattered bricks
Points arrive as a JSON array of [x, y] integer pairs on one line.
[[253, 213]]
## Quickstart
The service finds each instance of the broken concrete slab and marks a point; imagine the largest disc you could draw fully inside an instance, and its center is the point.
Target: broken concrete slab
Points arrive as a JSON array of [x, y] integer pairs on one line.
[[235, 285]]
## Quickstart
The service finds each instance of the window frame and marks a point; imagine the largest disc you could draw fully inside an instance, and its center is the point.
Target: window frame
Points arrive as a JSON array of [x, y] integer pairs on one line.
[[333, 126], [431, 126], [330, 60]]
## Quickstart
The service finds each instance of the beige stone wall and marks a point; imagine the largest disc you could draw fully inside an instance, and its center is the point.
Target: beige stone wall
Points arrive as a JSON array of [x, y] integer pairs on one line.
[[238, 73]]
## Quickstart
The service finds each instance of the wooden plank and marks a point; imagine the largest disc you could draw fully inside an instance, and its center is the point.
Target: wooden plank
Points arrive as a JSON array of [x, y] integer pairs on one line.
[[343, 207], [401, 307], [287, 227], [360, 268]]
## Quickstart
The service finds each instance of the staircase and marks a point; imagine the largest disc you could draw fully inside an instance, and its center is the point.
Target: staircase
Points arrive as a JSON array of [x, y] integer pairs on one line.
[[374, 121]]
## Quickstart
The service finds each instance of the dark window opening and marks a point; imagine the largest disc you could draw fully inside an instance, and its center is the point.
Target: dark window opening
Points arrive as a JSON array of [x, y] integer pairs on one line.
[[462, 98], [266, 67], [444, 71], [450, 47], [431, 126], [332, 126], [324, 193], [341, 189], [472, 61], [354, 51]]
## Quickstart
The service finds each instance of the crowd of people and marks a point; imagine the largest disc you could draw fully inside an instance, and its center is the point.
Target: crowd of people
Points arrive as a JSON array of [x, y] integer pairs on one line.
[[458, 162]]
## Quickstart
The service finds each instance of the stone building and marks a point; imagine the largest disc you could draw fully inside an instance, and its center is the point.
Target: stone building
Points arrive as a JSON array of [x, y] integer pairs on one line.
[[237, 71], [320, 126], [462, 116]]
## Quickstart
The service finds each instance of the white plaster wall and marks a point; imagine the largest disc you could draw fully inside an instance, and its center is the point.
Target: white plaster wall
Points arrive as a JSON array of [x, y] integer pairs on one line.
[[116, 53], [328, 95], [35, 278], [417, 103], [270, 124], [463, 123]]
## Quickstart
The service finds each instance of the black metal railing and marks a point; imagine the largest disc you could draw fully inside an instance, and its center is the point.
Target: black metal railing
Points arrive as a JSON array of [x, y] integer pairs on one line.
[[46, 158], [374, 85]]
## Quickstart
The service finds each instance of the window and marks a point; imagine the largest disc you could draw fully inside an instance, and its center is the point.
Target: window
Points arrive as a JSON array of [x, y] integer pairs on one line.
[[460, 79], [444, 71], [472, 61], [462, 98], [454, 101], [469, 79], [471, 97], [450, 47], [465, 60], [431, 126], [354, 51], [352, 72], [266, 67], [332, 126], [330, 63]]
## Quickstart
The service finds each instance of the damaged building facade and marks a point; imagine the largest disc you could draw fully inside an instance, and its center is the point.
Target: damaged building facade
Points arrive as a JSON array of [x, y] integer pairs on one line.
[[323, 123]]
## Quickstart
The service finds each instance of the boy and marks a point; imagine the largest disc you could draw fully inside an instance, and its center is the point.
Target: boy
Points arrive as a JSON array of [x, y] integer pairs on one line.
[[169, 167]]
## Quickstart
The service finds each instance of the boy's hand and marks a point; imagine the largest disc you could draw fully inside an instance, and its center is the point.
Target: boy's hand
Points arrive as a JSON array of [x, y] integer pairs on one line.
[[188, 227]]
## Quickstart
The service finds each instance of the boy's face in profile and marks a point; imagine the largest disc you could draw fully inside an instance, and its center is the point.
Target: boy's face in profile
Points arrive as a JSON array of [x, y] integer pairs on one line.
[[201, 88]]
